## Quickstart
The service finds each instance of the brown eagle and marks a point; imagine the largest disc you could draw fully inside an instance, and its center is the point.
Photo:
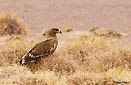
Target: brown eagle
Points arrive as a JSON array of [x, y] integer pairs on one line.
[[42, 49]]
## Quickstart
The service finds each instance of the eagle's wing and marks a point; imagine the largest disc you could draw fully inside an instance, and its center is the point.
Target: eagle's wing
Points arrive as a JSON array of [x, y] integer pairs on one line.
[[44, 48]]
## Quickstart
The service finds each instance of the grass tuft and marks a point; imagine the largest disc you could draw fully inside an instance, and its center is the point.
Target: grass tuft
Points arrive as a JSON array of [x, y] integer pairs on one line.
[[12, 24]]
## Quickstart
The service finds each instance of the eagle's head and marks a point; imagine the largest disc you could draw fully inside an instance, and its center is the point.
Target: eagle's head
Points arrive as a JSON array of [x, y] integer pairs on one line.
[[52, 32]]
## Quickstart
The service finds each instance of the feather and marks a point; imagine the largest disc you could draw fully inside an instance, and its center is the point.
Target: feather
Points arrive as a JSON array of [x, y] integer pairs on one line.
[[42, 49]]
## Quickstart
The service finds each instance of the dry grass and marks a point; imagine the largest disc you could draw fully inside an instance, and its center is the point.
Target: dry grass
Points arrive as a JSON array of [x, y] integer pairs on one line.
[[102, 32], [81, 60], [11, 24], [12, 50], [67, 29]]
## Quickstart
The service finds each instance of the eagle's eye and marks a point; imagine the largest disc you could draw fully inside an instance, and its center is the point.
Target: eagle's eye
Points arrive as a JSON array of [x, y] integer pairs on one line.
[[56, 29]]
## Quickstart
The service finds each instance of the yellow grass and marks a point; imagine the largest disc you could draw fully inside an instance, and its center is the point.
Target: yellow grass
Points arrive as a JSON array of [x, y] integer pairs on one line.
[[11, 24], [80, 60]]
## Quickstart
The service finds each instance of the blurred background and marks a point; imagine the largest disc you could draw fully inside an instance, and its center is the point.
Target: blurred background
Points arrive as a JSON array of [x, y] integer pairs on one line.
[[77, 14]]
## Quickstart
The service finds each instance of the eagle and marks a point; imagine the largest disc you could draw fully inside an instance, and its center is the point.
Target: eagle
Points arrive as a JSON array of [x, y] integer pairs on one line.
[[44, 48]]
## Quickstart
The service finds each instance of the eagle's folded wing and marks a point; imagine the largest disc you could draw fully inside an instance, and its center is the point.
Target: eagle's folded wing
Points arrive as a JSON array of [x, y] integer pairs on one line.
[[42, 49]]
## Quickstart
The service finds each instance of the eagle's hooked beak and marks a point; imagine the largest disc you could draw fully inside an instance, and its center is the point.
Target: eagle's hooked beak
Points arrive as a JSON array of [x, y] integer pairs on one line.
[[60, 32]]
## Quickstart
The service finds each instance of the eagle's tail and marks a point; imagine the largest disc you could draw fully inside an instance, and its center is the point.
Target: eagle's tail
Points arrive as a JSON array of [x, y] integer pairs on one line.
[[28, 57], [23, 60]]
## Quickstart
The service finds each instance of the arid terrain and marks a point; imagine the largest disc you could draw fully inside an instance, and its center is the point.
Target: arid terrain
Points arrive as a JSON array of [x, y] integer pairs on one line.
[[94, 48]]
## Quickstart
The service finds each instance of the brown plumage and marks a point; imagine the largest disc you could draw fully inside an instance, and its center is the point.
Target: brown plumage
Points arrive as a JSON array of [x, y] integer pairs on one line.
[[43, 49]]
